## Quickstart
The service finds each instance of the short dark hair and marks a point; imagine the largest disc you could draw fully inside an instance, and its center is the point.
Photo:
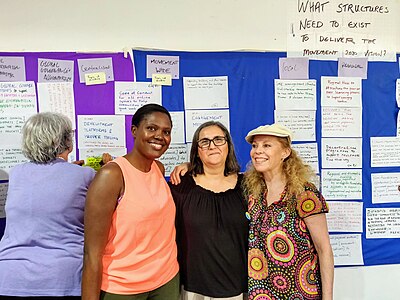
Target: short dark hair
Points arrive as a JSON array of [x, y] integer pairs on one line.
[[196, 165], [146, 110]]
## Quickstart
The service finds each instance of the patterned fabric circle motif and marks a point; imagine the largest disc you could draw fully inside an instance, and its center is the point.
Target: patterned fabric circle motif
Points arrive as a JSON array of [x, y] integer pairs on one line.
[[307, 279], [280, 246], [281, 282], [261, 294], [296, 296], [258, 266], [309, 204]]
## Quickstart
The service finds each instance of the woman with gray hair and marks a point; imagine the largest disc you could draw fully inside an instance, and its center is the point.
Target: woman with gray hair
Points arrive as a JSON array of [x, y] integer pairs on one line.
[[42, 247]]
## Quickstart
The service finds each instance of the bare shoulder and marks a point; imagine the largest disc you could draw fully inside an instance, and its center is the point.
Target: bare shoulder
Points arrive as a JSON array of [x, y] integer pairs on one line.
[[160, 166], [105, 189], [108, 177], [110, 170]]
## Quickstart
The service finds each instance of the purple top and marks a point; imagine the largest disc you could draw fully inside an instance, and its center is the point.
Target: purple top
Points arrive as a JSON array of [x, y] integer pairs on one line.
[[42, 247]]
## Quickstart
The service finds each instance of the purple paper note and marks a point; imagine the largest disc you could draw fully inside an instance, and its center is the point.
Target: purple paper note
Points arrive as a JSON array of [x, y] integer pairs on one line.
[[293, 68], [55, 70], [162, 65], [12, 68], [353, 67], [95, 65]]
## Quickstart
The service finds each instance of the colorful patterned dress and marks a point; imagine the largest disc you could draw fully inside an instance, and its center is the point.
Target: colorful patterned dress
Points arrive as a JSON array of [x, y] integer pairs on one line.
[[283, 262]]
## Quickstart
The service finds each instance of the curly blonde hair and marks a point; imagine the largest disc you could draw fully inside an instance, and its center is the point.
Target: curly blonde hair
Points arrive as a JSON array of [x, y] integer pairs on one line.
[[297, 174]]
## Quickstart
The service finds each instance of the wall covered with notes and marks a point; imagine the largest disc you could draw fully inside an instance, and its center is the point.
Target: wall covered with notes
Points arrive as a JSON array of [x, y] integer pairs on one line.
[[344, 115]]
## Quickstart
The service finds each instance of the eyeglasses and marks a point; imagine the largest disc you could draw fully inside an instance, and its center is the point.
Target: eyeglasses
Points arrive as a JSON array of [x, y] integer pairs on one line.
[[205, 143]]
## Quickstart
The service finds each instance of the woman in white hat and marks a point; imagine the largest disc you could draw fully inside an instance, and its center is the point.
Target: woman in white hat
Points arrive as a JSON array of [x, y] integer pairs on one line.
[[290, 256]]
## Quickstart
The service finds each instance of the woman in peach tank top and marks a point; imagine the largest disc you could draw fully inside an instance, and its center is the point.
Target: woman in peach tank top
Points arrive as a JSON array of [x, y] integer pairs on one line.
[[130, 250]]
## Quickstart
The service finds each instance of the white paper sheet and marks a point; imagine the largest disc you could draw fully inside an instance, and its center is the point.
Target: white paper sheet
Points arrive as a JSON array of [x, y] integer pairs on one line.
[[57, 97], [382, 223], [130, 96], [341, 121], [175, 155], [341, 91], [205, 92], [300, 122], [18, 98], [101, 131], [341, 153], [309, 154], [345, 216], [3, 197], [341, 184], [10, 157], [385, 187], [178, 127], [347, 249], [295, 94], [194, 118], [385, 151]]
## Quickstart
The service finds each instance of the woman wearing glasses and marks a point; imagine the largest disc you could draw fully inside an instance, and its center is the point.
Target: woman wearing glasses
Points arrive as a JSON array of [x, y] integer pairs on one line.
[[211, 224]]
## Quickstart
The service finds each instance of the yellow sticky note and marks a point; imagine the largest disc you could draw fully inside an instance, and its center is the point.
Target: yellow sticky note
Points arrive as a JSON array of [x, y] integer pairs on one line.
[[161, 79], [93, 162], [95, 78]]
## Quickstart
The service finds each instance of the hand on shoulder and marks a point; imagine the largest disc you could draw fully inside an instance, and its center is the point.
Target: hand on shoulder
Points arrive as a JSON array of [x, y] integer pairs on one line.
[[177, 172]]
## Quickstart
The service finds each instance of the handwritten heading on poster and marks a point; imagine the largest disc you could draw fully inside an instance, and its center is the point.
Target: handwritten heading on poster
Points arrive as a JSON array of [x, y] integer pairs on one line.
[[12, 68], [194, 118], [53, 70], [157, 64], [94, 65], [353, 67], [332, 29], [293, 68]]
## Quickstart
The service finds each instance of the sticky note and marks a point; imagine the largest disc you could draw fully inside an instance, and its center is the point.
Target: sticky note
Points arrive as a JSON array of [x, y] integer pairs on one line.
[[161, 79], [93, 162], [95, 78]]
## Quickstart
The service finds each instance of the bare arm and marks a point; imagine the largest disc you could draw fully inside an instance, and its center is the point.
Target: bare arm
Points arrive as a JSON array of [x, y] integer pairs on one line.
[[101, 201], [318, 228]]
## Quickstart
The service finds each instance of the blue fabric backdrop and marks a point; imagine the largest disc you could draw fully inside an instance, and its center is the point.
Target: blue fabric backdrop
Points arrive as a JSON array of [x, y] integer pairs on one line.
[[251, 100]]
